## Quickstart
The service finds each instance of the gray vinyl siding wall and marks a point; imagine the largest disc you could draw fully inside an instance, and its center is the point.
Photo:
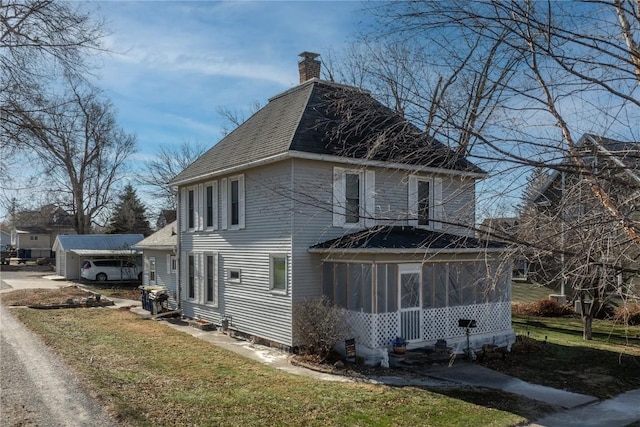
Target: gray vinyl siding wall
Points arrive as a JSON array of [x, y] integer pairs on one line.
[[313, 221], [250, 304], [164, 276]]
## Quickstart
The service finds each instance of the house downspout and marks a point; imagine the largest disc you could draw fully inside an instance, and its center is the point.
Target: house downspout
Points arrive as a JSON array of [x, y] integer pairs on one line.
[[178, 258]]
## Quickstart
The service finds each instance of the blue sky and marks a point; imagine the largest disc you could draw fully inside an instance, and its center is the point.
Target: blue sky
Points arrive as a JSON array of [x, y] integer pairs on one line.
[[175, 63]]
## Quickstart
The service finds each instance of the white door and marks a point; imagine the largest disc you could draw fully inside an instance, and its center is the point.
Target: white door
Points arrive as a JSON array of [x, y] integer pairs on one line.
[[410, 297]]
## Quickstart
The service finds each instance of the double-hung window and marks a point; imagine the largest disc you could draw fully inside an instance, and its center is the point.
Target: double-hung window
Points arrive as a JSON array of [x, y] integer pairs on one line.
[[210, 205], [210, 276], [191, 209], [191, 276], [233, 202], [353, 198], [278, 273], [425, 202]]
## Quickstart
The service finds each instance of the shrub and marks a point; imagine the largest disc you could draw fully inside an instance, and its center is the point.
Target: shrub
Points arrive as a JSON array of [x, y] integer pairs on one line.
[[628, 314], [319, 325], [525, 344], [543, 308]]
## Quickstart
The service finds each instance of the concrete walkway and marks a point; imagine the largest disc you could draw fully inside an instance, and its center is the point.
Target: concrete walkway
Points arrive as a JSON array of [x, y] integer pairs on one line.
[[580, 410]]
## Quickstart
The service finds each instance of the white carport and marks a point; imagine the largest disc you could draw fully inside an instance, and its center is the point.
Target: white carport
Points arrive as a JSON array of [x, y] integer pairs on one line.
[[71, 250]]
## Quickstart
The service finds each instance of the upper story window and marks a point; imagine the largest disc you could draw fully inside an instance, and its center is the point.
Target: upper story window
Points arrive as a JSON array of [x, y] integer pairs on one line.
[[424, 194], [353, 198], [425, 201], [233, 202], [210, 205], [191, 209]]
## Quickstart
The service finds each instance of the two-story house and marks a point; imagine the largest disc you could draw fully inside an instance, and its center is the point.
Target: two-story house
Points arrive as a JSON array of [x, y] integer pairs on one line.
[[34, 231], [298, 202], [581, 210]]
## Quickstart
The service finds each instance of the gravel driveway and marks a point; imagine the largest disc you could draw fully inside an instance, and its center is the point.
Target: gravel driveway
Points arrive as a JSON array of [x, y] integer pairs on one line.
[[36, 388]]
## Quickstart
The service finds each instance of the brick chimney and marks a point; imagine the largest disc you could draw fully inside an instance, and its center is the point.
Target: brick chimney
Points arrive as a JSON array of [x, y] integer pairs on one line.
[[309, 66]]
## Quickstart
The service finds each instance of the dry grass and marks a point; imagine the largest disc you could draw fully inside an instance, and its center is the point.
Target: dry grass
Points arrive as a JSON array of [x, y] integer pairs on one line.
[[148, 374], [44, 296]]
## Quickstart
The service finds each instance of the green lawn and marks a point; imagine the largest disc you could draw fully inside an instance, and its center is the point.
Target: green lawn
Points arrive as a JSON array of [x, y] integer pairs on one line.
[[603, 367], [151, 375], [528, 292]]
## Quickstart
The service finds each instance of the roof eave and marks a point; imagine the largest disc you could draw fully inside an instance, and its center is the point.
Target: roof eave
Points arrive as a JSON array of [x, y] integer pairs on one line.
[[411, 251]]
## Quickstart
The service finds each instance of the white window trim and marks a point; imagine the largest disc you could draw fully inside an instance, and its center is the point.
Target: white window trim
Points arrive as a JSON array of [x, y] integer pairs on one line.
[[195, 276], [226, 202], [213, 303], [171, 264], [435, 202], [367, 198], [214, 196], [272, 257], [152, 262], [193, 188], [228, 275]]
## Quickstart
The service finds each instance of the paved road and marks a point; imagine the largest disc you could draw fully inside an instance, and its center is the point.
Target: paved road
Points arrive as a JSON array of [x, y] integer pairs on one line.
[[36, 388]]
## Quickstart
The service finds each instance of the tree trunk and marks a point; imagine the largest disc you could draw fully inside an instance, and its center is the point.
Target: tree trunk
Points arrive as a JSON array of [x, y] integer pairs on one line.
[[587, 321]]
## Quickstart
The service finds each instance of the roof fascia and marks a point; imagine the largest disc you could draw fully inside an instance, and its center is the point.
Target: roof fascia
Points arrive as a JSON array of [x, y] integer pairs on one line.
[[405, 251], [293, 154], [614, 158], [382, 164]]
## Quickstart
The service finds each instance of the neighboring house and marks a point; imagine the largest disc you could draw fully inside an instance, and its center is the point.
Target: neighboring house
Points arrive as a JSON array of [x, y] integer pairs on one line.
[[71, 250], [280, 211], [566, 209], [160, 260], [5, 237], [34, 231], [31, 242], [505, 229]]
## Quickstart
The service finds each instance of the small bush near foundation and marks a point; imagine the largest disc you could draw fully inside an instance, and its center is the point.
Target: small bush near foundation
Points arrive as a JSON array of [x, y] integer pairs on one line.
[[319, 325], [525, 344], [627, 315], [542, 308]]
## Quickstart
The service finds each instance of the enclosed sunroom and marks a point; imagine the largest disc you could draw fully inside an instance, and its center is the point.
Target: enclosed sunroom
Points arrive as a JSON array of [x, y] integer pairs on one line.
[[418, 285]]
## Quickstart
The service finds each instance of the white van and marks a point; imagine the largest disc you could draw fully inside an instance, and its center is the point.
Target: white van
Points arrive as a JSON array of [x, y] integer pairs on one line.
[[110, 269]]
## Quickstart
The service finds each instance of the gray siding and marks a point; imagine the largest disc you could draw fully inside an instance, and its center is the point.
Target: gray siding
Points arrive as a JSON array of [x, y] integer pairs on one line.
[[253, 308], [164, 276], [288, 208], [313, 222]]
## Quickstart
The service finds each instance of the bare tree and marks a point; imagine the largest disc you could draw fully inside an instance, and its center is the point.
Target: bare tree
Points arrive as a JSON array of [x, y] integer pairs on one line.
[[169, 161], [39, 40], [76, 141], [233, 118], [514, 85]]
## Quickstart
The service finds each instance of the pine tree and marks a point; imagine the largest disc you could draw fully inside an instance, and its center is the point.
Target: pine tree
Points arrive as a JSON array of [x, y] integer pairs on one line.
[[129, 215]]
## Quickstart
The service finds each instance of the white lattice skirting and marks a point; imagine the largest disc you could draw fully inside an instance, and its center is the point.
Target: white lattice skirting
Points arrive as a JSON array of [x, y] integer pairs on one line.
[[374, 332]]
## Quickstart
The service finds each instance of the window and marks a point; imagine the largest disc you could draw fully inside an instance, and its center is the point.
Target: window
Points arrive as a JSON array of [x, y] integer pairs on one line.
[[211, 209], [278, 273], [191, 280], [353, 198], [233, 202], [33, 237], [152, 270], [191, 209], [173, 264], [210, 279], [349, 285], [233, 275], [425, 202]]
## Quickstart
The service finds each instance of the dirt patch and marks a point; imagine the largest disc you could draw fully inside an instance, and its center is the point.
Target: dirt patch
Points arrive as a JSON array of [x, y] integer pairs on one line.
[[27, 297]]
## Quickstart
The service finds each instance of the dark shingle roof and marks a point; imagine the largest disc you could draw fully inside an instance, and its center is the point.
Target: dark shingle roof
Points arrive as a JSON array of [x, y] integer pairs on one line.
[[404, 238], [310, 118]]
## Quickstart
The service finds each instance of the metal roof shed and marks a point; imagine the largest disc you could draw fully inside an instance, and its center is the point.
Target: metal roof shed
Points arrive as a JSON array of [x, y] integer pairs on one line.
[[72, 249]]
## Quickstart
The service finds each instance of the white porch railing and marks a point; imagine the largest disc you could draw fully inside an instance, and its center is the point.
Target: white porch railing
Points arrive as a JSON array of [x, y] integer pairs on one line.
[[377, 330]]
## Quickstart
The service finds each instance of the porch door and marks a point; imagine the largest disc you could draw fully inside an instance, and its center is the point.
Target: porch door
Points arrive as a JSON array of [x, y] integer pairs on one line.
[[410, 298]]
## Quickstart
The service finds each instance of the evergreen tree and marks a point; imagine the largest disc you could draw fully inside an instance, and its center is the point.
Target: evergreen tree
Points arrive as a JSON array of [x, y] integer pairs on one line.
[[129, 215]]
